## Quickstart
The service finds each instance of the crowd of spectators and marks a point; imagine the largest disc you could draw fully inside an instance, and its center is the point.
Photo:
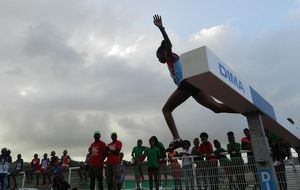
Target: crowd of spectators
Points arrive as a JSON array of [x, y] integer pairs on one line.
[[107, 159], [47, 168], [207, 161]]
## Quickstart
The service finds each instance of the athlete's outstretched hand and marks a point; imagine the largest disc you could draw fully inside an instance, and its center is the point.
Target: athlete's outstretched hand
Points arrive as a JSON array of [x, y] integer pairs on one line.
[[157, 21]]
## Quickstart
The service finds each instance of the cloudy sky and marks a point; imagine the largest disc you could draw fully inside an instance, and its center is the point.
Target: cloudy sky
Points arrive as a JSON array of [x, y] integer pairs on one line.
[[69, 68]]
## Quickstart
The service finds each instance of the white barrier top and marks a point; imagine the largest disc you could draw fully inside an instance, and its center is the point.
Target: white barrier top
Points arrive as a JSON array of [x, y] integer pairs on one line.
[[202, 68]]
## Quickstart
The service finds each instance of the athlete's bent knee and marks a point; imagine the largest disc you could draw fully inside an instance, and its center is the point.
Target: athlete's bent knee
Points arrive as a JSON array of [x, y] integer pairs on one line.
[[166, 110]]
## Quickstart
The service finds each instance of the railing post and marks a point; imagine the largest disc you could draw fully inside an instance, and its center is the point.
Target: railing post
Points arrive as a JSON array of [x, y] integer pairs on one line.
[[23, 180], [70, 171], [194, 173], [261, 149]]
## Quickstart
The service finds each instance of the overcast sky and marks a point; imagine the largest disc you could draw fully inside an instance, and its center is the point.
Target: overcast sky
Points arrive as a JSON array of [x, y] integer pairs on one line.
[[69, 68]]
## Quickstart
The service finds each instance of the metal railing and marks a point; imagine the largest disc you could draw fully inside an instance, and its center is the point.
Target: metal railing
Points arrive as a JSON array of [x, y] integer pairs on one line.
[[223, 174]]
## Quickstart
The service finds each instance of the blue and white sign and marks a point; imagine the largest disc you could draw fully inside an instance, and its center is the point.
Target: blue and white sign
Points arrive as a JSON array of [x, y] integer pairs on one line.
[[266, 179]]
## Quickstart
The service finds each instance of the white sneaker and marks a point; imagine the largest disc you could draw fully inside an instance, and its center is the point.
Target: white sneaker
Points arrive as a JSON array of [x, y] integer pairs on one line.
[[277, 163], [175, 143]]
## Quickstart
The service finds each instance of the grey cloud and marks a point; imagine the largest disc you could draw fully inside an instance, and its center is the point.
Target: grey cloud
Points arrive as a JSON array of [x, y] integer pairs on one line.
[[77, 95]]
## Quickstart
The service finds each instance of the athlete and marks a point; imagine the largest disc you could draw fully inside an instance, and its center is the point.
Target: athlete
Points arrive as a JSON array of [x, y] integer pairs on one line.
[[65, 161], [185, 89]]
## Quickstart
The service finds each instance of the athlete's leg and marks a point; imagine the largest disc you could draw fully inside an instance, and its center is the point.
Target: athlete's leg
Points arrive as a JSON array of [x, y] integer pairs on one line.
[[177, 98], [209, 102]]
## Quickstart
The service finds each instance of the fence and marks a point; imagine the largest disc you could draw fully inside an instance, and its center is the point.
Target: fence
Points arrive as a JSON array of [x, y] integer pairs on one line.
[[236, 173], [223, 174]]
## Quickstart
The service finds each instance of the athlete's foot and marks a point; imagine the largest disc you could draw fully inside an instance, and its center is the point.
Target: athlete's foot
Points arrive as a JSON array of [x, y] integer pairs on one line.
[[176, 143]]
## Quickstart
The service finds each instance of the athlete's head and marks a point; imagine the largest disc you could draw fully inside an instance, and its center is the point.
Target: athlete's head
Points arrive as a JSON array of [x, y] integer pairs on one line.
[[161, 52], [247, 132], [4, 151], [114, 136], [53, 153], [45, 155], [35, 156], [196, 142], [204, 137], [65, 152], [154, 138], [152, 142], [139, 142], [217, 144], [97, 135], [19, 156], [230, 136], [186, 144]]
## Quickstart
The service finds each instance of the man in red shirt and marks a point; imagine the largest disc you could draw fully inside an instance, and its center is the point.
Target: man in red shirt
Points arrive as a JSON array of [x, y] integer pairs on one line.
[[96, 161], [34, 168], [113, 163], [211, 162], [65, 161]]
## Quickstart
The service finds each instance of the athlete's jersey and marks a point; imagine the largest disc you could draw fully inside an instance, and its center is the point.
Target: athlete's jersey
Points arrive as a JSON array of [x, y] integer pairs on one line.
[[4, 164], [175, 69], [65, 161], [45, 163], [35, 164], [19, 164]]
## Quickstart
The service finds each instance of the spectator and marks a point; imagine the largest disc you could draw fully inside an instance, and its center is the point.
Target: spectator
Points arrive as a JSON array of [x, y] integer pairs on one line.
[[220, 154], [56, 170], [53, 163], [162, 160], [113, 163], [211, 163], [96, 158], [16, 171], [187, 169], [198, 161], [153, 155], [136, 154], [234, 149], [5, 160], [34, 168], [122, 170], [247, 145], [279, 149], [45, 163], [84, 167], [175, 168], [65, 161], [59, 183]]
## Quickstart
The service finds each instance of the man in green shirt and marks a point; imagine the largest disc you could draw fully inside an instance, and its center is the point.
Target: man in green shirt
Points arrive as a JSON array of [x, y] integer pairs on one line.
[[225, 162], [234, 148], [162, 159], [153, 155], [136, 154]]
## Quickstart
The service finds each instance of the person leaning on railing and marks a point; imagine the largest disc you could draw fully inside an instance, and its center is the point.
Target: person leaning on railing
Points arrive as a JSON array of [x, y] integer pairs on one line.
[[199, 161], [225, 162], [16, 171], [211, 163], [247, 146], [234, 149], [175, 168]]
